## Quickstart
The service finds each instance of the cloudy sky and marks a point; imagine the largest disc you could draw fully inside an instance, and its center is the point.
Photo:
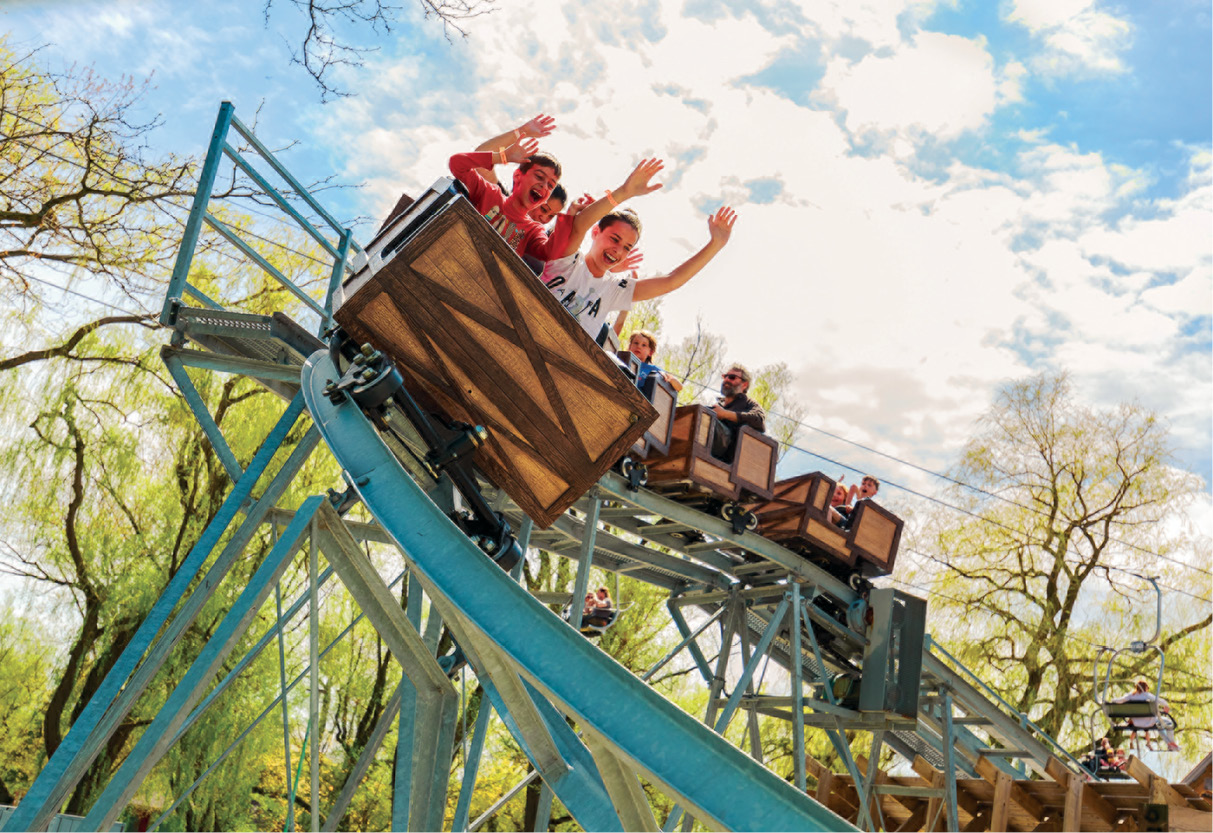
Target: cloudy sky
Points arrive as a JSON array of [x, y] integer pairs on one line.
[[934, 197]]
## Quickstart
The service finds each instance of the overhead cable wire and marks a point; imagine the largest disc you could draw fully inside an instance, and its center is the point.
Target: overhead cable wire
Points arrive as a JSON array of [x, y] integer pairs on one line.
[[939, 501], [982, 518], [85, 297]]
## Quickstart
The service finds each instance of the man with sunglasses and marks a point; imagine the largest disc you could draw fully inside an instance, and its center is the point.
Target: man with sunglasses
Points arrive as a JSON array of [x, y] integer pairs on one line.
[[735, 409]]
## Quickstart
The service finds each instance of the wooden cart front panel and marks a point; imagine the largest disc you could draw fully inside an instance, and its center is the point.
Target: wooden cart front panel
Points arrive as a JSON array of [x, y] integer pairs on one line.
[[875, 535], [477, 336], [754, 462]]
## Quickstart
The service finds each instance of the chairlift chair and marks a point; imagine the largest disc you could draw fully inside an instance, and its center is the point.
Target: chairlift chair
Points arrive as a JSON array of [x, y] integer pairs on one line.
[[1120, 716]]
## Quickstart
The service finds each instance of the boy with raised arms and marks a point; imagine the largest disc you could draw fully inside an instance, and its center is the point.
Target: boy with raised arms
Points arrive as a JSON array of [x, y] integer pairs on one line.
[[534, 181], [581, 282]]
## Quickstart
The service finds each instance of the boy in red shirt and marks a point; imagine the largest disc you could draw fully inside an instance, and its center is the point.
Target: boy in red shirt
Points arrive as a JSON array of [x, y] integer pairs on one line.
[[534, 180]]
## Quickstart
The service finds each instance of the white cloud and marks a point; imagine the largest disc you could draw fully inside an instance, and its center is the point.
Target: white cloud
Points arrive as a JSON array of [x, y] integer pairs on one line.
[[901, 302], [935, 83], [1077, 38]]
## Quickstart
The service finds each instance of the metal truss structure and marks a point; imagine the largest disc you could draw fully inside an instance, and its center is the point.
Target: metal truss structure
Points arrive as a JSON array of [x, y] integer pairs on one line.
[[853, 664]]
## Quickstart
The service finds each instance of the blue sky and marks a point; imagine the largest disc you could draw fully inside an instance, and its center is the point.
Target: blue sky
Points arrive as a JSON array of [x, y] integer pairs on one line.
[[934, 197]]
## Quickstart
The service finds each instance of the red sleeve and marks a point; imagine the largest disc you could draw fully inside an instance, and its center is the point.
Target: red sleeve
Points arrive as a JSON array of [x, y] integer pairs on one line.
[[543, 246], [463, 168]]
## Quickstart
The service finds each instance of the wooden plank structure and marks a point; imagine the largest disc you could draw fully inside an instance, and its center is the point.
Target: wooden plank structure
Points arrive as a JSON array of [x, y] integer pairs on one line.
[[1061, 802], [690, 468], [656, 438], [480, 340], [797, 516]]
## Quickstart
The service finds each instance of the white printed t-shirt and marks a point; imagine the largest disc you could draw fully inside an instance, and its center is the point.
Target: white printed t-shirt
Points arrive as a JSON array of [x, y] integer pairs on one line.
[[589, 299]]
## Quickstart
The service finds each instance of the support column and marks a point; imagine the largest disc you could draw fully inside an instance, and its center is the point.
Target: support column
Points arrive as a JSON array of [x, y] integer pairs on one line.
[[797, 688], [585, 562]]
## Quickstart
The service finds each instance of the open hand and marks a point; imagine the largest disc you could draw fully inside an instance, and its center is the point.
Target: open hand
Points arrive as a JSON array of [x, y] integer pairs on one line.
[[720, 225], [538, 127], [637, 184], [582, 202], [519, 151], [629, 263]]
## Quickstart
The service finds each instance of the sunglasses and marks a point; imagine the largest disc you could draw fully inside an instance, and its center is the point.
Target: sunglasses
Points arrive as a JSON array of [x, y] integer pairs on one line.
[[736, 376]]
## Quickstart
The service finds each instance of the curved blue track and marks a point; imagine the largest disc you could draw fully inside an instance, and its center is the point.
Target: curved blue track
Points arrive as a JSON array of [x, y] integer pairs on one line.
[[699, 768]]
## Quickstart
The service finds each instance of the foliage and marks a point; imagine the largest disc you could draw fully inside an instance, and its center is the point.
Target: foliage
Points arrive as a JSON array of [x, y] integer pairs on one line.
[[78, 187], [1071, 503]]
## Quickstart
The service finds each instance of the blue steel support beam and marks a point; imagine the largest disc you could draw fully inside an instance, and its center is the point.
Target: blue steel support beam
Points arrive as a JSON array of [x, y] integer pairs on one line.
[[101, 717], [437, 704], [577, 608], [281, 170], [553, 748], [230, 236], [471, 766], [365, 758], [342, 254], [543, 813], [680, 622], [313, 638], [406, 729], [273, 193], [562, 664], [257, 720], [254, 652], [193, 224], [747, 674], [677, 649], [837, 738], [949, 763], [248, 658], [214, 434], [286, 719], [751, 714], [157, 738], [797, 689]]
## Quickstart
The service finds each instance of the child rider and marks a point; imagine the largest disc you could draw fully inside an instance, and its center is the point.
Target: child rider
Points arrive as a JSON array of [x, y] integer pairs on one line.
[[584, 288]]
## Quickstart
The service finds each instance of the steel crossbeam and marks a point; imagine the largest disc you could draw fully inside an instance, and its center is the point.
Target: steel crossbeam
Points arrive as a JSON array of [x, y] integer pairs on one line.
[[159, 736], [118, 692], [553, 657]]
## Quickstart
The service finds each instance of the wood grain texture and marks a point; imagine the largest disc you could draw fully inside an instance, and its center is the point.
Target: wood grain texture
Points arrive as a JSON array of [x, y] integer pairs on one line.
[[478, 338]]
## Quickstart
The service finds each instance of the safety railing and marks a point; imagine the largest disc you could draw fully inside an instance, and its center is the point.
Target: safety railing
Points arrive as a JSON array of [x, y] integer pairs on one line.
[[338, 248], [1048, 740]]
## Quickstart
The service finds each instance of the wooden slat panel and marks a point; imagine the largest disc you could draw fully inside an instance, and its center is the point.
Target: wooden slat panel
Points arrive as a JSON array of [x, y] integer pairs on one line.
[[478, 338]]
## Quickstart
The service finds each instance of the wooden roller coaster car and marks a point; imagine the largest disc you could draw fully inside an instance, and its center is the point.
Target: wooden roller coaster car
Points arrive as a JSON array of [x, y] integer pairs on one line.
[[798, 517], [480, 340], [690, 472], [656, 439]]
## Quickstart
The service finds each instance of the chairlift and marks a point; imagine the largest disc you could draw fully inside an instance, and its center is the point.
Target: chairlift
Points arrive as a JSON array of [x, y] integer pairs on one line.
[[1141, 712], [597, 623]]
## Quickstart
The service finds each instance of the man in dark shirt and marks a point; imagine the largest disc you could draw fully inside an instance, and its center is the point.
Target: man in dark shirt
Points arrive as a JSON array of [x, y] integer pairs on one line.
[[734, 409]]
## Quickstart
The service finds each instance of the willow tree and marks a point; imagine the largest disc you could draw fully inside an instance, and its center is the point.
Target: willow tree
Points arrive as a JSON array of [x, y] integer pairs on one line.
[[1067, 507]]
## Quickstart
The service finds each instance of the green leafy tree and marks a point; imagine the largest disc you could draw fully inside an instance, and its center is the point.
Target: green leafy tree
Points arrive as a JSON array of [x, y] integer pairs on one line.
[[1069, 502]]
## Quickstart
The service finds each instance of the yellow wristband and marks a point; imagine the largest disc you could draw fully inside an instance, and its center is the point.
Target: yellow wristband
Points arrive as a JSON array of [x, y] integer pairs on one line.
[[611, 197], [501, 155]]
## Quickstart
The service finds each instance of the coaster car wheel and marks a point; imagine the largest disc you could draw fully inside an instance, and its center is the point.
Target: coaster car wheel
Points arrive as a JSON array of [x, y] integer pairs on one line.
[[737, 516], [636, 473]]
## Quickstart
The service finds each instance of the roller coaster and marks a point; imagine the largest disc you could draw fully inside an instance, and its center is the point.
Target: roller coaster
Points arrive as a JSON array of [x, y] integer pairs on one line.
[[475, 422]]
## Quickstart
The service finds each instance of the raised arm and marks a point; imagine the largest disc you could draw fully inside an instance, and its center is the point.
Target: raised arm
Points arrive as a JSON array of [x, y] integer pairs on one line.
[[536, 128], [720, 226], [636, 185]]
